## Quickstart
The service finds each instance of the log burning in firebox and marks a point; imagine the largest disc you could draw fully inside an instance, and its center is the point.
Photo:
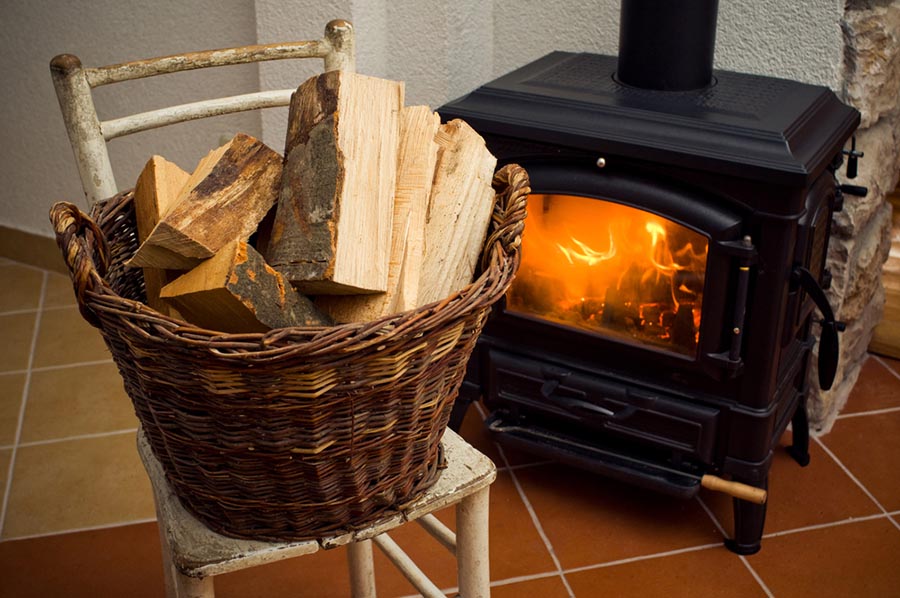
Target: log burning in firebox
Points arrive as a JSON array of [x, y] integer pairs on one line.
[[603, 266]]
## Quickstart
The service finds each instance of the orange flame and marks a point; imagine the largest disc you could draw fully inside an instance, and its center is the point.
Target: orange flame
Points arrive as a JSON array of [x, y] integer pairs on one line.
[[588, 255], [647, 285], [659, 247]]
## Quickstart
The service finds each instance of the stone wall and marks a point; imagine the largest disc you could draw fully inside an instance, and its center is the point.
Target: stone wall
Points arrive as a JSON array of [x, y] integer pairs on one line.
[[861, 232]]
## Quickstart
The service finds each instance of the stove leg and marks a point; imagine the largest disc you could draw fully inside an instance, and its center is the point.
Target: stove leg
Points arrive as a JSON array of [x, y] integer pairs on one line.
[[749, 519], [799, 448]]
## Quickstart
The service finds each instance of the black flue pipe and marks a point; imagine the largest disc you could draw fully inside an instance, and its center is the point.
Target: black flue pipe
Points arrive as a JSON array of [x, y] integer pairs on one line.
[[667, 45]]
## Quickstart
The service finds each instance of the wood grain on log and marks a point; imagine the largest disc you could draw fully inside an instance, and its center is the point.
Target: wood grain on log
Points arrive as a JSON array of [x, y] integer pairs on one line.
[[459, 211], [332, 231], [223, 200], [155, 193], [236, 291], [415, 172]]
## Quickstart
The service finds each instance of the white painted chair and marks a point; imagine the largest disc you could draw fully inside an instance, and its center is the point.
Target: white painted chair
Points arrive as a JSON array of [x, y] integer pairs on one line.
[[88, 134], [192, 553]]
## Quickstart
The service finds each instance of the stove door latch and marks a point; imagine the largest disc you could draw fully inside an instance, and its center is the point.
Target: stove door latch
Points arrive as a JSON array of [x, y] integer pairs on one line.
[[829, 347]]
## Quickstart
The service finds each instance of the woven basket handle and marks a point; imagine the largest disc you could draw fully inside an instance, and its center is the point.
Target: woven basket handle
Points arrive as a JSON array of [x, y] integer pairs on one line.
[[512, 183], [84, 249]]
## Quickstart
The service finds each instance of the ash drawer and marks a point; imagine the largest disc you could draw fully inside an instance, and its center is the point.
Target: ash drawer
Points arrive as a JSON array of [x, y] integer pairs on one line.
[[542, 390]]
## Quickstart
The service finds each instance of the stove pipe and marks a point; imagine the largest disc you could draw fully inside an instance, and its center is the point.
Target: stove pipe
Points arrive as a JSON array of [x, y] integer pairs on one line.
[[667, 45]]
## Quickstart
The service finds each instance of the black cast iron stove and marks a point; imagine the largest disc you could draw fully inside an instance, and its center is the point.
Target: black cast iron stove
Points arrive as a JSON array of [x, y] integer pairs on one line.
[[663, 319]]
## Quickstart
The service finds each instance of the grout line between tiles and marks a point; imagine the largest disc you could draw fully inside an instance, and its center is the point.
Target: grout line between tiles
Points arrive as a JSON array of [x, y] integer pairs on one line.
[[63, 366], [34, 310], [797, 529], [78, 437], [531, 512], [537, 524], [25, 388], [895, 522], [12, 262], [497, 583], [19, 312], [756, 576], [818, 526], [13, 372], [873, 412], [637, 559], [893, 518], [887, 366], [854, 478], [523, 578], [712, 516], [77, 530], [743, 558]]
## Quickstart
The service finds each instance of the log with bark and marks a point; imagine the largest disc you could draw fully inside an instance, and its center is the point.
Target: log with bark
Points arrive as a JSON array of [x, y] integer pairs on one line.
[[415, 172], [224, 199], [377, 209], [236, 291], [332, 230], [155, 193]]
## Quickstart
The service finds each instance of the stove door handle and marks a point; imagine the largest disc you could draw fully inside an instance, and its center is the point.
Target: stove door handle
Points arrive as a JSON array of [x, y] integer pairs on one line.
[[829, 350]]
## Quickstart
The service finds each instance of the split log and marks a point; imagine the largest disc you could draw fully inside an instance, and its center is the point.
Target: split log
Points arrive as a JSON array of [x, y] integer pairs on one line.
[[415, 172], [332, 231], [155, 193], [459, 211], [236, 291], [224, 199]]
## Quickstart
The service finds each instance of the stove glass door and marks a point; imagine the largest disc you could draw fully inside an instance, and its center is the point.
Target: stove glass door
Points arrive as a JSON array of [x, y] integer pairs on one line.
[[611, 269]]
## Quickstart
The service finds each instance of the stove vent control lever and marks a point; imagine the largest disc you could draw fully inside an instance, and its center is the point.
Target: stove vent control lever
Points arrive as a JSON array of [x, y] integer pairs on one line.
[[857, 190], [853, 157]]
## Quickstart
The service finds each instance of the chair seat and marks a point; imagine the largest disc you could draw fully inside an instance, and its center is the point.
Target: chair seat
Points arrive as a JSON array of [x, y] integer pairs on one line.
[[198, 551]]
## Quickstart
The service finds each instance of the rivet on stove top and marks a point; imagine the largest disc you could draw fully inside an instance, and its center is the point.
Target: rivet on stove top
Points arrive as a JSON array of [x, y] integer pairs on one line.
[[601, 162]]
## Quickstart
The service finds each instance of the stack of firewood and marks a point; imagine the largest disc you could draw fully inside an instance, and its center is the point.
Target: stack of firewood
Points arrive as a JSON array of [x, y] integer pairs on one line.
[[374, 209]]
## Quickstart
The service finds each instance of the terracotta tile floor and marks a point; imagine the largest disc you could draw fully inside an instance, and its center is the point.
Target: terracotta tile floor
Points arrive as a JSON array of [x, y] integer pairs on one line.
[[77, 517]]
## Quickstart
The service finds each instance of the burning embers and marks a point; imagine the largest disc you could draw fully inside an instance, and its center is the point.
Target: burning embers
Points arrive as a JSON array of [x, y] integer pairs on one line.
[[609, 268]]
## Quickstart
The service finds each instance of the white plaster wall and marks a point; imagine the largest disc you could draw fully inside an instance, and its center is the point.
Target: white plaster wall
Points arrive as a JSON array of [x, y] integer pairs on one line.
[[797, 39], [36, 163], [441, 49], [525, 30], [278, 21]]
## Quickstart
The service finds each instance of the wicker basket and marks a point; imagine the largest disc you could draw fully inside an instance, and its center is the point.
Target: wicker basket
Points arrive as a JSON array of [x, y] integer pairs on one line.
[[299, 432]]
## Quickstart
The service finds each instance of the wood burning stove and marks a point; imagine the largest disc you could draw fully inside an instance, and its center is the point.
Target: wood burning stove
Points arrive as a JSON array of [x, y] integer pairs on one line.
[[662, 322]]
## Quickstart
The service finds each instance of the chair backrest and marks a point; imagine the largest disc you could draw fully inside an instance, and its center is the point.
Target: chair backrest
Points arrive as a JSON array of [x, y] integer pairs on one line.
[[88, 134]]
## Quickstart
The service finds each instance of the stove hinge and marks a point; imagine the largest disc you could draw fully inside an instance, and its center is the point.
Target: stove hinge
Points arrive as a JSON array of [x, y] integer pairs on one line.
[[746, 256]]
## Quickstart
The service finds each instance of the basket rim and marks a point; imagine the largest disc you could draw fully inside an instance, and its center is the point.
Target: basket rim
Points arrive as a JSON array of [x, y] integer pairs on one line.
[[499, 263]]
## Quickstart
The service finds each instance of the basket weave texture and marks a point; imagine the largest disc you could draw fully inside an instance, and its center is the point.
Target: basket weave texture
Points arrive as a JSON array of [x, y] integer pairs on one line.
[[296, 433]]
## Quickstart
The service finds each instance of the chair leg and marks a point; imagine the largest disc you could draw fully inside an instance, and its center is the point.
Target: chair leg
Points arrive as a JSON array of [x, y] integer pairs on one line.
[[177, 584], [472, 545], [362, 569], [193, 587]]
